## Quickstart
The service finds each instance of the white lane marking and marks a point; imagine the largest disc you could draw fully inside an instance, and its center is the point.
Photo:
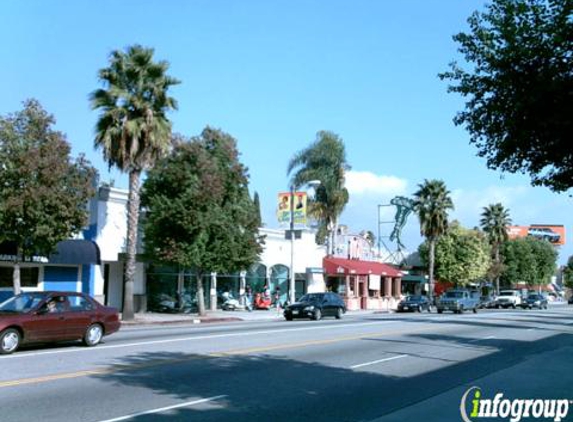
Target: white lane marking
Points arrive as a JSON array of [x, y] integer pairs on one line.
[[378, 361], [164, 409], [481, 339], [182, 339]]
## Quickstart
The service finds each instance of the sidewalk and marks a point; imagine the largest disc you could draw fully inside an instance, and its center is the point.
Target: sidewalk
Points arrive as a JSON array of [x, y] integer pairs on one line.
[[218, 316]]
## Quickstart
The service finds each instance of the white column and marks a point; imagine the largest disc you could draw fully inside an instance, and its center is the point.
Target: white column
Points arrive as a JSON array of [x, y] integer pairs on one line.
[[213, 291]]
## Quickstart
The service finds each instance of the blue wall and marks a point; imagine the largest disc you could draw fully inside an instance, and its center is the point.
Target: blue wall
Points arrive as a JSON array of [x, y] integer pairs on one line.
[[61, 278]]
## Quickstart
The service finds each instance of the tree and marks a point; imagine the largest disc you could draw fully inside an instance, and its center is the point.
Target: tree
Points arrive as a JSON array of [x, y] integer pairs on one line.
[[462, 256], [494, 222], [43, 191], [257, 204], [133, 130], [568, 273], [520, 89], [431, 203], [528, 260], [199, 214], [324, 160]]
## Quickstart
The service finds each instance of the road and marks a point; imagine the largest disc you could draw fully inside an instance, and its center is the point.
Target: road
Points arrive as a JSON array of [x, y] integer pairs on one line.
[[367, 368]]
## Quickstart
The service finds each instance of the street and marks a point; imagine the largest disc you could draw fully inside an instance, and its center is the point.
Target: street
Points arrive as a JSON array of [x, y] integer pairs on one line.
[[361, 368]]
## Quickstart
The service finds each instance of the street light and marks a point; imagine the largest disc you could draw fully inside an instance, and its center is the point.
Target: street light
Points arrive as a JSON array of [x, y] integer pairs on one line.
[[312, 183]]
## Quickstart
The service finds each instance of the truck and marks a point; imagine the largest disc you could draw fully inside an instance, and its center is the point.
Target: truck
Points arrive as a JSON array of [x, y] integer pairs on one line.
[[458, 301], [509, 299]]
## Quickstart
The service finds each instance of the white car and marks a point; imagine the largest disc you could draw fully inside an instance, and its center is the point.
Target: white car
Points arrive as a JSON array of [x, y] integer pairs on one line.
[[509, 299]]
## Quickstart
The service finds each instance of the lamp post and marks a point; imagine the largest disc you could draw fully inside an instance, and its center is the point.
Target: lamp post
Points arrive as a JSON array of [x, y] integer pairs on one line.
[[292, 280]]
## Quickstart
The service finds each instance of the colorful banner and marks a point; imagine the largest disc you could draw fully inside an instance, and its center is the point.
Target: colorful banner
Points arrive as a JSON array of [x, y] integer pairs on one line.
[[554, 234], [299, 207]]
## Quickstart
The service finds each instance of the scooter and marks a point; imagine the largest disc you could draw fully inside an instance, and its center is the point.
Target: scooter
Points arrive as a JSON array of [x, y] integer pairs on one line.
[[230, 303], [262, 302]]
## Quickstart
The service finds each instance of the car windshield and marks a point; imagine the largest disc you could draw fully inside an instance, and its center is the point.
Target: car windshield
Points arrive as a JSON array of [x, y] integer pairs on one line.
[[454, 294], [534, 297], [414, 298], [312, 298], [22, 303], [506, 293]]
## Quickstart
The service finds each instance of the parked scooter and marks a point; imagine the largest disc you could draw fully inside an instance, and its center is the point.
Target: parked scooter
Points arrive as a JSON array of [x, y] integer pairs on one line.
[[229, 303], [262, 302]]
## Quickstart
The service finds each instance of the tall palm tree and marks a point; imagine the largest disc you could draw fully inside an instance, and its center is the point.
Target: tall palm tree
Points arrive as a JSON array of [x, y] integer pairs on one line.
[[133, 130], [324, 160], [431, 202], [494, 222]]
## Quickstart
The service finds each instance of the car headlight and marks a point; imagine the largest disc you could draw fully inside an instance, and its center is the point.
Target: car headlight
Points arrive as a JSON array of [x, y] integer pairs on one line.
[[309, 308]]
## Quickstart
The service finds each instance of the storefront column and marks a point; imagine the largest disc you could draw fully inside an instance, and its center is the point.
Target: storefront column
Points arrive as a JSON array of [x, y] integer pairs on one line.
[[242, 285], [347, 286], [397, 287], [387, 287], [213, 291]]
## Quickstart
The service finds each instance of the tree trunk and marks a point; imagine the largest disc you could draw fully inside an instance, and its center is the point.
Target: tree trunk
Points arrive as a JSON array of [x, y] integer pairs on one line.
[[496, 257], [200, 294], [180, 290], [132, 227], [431, 269], [16, 278]]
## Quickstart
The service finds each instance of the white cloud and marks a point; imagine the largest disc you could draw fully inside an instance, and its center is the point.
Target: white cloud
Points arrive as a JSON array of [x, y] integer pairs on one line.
[[368, 183]]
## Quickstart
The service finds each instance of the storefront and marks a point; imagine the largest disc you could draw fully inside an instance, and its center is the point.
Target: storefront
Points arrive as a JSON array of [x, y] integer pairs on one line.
[[363, 284]]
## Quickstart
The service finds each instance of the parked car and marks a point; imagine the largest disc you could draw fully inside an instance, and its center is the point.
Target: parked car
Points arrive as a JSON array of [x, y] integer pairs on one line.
[[487, 302], [46, 317], [534, 300], [509, 299], [414, 303], [544, 233], [315, 306], [458, 301], [570, 301]]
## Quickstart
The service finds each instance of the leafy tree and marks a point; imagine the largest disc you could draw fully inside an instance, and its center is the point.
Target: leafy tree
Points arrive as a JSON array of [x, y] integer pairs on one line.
[[519, 89], [257, 204], [568, 273], [462, 255], [43, 191], [133, 130], [324, 160], [528, 260], [431, 203], [494, 222], [199, 212]]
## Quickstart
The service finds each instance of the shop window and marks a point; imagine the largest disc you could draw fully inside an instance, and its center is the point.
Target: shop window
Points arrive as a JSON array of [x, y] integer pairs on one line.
[[28, 277]]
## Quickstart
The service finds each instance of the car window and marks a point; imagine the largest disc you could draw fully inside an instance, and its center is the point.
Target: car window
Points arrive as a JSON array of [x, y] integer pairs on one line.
[[80, 303], [56, 304]]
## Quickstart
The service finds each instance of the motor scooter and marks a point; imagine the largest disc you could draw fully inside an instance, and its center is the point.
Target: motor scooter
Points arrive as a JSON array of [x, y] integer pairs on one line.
[[229, 303], [262, 302]]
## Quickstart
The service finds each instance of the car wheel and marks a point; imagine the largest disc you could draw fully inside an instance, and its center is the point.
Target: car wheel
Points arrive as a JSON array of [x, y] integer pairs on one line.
[[93, 335], [338, 313], [440, 311], [475, 310], [9, 341], [317, 315], [288, 318]]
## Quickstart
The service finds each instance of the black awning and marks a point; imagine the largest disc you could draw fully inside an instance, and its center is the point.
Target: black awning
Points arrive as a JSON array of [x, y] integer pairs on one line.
[[76, 252]]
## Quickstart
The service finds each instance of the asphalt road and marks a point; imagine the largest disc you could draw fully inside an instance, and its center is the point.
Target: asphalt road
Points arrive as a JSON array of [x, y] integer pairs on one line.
[[376, 367]]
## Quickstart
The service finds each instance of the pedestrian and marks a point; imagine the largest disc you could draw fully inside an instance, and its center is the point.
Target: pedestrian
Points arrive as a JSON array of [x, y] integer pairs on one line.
[[249, 298], [278, 299]]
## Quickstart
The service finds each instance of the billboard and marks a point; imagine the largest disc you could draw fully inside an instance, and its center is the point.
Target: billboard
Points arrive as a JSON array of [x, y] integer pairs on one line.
[[555, 234], [299, 207]]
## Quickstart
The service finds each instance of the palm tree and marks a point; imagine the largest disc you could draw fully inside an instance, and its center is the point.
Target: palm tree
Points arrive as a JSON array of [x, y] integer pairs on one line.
[[431, 202], [324, 160], [494, 222], [133, 130]]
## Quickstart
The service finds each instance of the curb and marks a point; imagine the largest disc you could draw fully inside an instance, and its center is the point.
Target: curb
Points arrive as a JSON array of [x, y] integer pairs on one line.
[[197, 320]]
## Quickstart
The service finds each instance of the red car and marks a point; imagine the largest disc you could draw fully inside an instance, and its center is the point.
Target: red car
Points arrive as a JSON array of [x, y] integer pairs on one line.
[[44, 317]]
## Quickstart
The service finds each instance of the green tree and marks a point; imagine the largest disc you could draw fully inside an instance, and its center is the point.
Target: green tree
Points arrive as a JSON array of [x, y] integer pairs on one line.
[[462, 255], [519, 88], [324, 160], [199, 212], [133, 130], [257, 204], [494, 222], [568, 273], [431, 203], [43, 191], [528, 260]]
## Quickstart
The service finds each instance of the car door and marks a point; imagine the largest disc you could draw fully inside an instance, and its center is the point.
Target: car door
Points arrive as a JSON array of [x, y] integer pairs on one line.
[[47, 326], [329, 307], [80, 315]]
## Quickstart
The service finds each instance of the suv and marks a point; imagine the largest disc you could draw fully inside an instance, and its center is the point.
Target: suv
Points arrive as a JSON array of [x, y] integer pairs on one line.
[[509, 299], [458, 301], [315, 306], [544, 233]]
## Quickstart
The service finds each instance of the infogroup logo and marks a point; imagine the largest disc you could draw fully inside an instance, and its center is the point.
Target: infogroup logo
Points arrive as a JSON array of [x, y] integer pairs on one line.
[[474, 406]]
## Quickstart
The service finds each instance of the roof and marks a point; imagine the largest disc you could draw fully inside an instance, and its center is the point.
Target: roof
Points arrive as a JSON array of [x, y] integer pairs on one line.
[[338, 266]]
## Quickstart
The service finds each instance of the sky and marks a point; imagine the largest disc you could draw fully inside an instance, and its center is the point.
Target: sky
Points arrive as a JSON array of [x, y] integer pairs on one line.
[[274, 73]]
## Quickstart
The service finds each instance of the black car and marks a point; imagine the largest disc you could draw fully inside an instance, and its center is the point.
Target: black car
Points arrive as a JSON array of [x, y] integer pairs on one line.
[[414, 304], [315, 306], [570, 301], [487, 302], [534, 301]]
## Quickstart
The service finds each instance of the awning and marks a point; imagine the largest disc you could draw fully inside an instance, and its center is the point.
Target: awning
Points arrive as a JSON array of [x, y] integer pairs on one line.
[[414, 279], [341, 266], [68, 252]]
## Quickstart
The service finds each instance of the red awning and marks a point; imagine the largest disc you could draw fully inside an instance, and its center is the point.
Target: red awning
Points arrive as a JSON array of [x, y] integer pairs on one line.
[[341, 266]]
